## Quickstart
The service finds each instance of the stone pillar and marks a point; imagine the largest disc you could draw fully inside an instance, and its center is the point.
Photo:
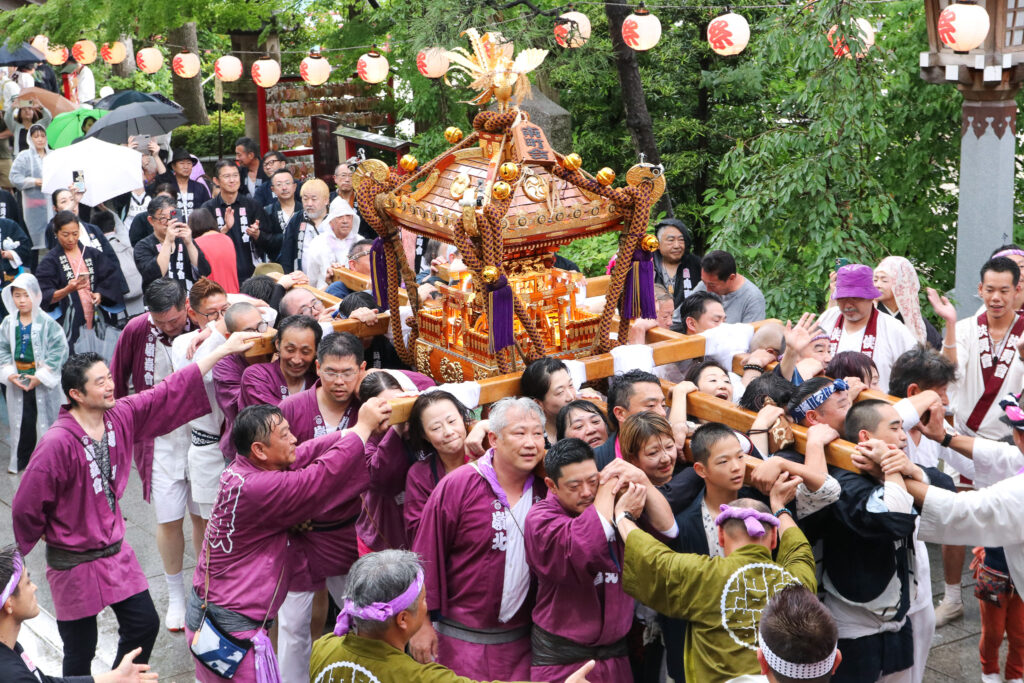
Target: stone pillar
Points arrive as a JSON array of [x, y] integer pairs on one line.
[[985, 216], [551, 117]]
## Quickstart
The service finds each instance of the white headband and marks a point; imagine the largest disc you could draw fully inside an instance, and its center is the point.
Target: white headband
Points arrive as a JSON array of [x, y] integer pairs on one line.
[[798, 671]]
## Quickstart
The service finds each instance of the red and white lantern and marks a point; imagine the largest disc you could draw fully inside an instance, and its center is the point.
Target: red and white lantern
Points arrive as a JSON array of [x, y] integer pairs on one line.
[[114, 53], [266, 72], [641, 30], [839, 46], [372, 67], [41, 43], [185, 65], [728, 34], [228, 68], [57, 55], [963, 26], [314, 69], [149, 59], [432, 62], [573, 30], [84, 52]]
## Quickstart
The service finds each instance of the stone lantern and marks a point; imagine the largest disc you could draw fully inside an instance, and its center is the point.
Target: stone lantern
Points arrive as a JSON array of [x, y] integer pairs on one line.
[[989, 77]]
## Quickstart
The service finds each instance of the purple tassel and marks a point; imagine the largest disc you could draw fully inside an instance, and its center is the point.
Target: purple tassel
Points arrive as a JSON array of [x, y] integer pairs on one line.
[[638, 294], [379, 275], [499, 315], [267, 668]]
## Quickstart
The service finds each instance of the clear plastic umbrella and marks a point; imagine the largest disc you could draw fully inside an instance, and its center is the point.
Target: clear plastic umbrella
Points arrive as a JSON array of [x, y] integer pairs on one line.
[[109, 170]]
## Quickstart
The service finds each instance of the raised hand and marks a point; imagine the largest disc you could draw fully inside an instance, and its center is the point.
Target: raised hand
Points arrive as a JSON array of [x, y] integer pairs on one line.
[[798, 337], [942, 307]]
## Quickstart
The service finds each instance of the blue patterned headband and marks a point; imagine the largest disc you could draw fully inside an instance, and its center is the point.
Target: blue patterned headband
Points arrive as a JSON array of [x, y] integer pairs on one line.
[[817, 398]]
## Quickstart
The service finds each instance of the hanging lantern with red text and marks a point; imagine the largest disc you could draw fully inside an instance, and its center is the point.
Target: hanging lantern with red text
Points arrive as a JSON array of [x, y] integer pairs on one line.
[[963, 26], [314, 69], [641, 30], [372, 67], [572, 30], [432, 62], [84, 51], [728, 34], [57, 55], [266, 72], [185, 65], [838, 43], [228, 68], [149, 60], [114, 53]]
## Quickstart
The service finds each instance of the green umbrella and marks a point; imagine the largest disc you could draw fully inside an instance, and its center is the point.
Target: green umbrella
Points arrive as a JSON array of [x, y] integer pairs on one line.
[[68, 127]]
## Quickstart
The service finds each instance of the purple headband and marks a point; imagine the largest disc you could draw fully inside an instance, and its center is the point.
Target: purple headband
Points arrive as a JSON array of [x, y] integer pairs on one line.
[[1009, 252], [378, 611], [751, 519], [12, 585]]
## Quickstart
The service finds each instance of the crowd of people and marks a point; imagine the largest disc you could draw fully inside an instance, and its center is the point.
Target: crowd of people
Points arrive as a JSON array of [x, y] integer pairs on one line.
[[572, 533]]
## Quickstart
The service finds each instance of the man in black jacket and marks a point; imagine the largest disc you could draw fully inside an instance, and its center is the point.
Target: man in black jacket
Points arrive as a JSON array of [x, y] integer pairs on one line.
[[241, 219]]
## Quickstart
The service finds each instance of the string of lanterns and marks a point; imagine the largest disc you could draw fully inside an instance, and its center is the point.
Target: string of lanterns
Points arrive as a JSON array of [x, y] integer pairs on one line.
[[962, 27]]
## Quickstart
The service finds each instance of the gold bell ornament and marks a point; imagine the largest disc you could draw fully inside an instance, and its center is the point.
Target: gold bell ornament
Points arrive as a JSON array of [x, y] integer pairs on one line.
[[408, 163], [605, 176], [572, 162], [453, 134], [502, 190], [509, 171]]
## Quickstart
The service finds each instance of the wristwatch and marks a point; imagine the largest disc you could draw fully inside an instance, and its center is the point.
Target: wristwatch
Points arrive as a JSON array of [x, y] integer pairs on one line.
[[946, 439], [625, 514]]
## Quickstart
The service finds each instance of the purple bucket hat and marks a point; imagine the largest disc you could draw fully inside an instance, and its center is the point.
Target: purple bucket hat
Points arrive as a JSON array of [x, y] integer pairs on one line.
[[856, 281]]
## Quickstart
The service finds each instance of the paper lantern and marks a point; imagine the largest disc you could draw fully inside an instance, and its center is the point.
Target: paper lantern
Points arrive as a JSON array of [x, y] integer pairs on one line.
[[185, 65], [728, 34], [573, 30], [57, 55], [114, 53], [228, 68], [839, 46], [266, 72], [962, 26], [372, 67], [314, 69], [84, 52], [41, 43], [149, 59], [432, 62], [641, 30]]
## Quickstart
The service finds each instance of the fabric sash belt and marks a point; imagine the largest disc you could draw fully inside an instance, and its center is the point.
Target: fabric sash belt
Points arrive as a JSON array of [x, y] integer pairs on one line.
[[201, 438], [454, 629], [62, 559], [333, 526], [551, 650], [23, 366], [227, 619]]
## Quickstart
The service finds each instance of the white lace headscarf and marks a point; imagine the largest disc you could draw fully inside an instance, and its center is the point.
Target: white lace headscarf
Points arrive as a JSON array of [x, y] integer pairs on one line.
[[905, 288]]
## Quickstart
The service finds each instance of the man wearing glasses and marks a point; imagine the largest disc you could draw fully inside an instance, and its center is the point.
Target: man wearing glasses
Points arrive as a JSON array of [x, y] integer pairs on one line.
[[170, 251], [301, 301], [286, 217]]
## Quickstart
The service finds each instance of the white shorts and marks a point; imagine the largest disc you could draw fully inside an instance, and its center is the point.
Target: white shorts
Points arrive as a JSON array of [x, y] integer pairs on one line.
[[171, 497]]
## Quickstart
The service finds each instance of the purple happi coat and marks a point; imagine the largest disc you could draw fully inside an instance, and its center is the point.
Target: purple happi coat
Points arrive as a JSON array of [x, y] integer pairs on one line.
[[324, 553], [265, 383], [133, 360], [247, 539], [420, 482], [579, 592], [227, 382], [381, 524], [464, 569], [61, 494]]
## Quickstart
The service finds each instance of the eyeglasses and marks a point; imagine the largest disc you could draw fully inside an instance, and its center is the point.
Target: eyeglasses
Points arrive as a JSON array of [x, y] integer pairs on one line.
[[163, 220], [332, 375], [214, 315], [262, 327], [313, 308]]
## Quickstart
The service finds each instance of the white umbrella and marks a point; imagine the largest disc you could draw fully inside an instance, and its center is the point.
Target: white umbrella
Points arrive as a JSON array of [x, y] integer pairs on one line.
[[110, 170]]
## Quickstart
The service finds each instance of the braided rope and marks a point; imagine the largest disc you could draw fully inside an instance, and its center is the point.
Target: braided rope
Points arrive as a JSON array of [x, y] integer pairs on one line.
[[636, 202]]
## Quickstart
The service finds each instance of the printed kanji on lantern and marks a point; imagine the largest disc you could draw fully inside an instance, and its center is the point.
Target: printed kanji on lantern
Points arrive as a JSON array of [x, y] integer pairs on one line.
[[728, 34], [641, 30], [432, 62], [314, 69], [228, 68], [84, 51], [56, 55], [149, 60], [185, 65], [572, 29], [839, 46], [266, 72], [963, 26], [372, 67], [113, 53]]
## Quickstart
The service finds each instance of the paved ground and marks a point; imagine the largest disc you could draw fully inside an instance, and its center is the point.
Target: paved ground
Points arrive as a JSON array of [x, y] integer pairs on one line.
[[954, 655]]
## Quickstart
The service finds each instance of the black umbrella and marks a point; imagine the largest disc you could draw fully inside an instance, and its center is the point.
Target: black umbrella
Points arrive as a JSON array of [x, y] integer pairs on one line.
[[140, 118], [20, 56], [121, 98]]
